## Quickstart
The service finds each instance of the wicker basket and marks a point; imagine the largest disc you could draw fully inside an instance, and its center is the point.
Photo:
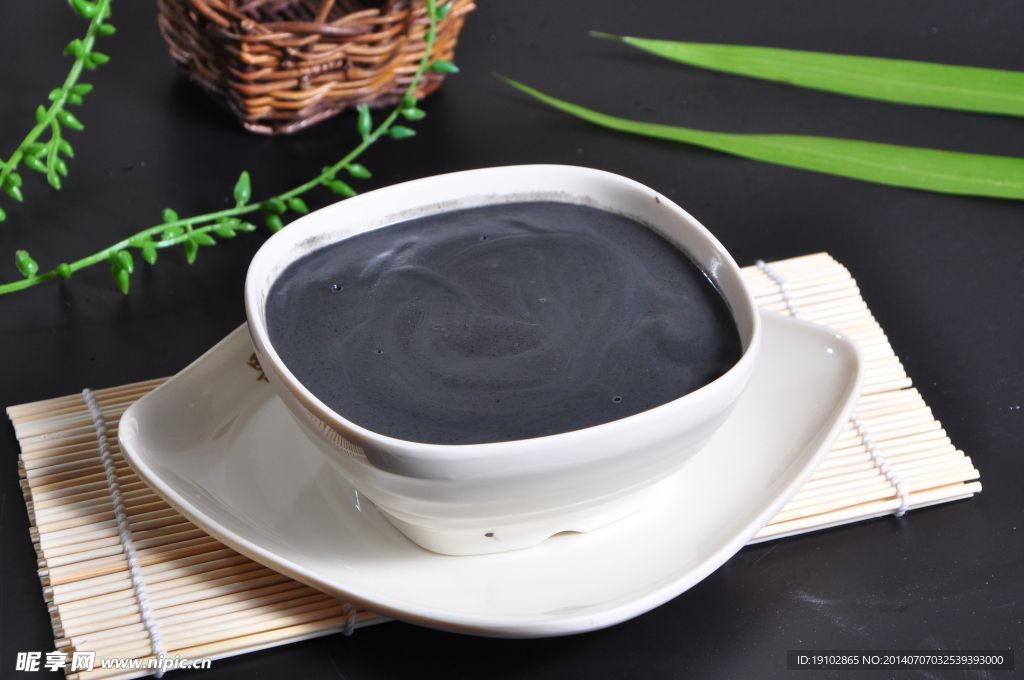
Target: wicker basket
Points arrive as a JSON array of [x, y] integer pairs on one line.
[[282, 65]]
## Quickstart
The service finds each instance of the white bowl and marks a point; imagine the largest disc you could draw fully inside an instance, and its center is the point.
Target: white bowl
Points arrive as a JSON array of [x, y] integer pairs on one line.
[[485, 498]]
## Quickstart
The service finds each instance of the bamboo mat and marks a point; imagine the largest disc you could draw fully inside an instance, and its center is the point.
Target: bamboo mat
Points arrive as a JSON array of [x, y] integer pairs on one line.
[[209, 601]]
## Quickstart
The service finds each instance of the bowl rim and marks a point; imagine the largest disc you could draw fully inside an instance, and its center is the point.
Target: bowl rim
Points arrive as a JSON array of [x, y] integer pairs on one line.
[[279, 251]]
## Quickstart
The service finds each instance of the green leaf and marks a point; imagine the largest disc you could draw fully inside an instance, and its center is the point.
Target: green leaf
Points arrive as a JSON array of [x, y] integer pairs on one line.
[[34, 163], [122, 276], [224, 231], [53, 179], [55, 94], [14, 192], [298, 205], [13, 180], [442, 66], [60, 166], [401, 132], [40, 113], [3, 215], [68, 120], [443, 10], [191, 250], [26, 265], [124, 259], [202, 238], [65, 148], [169, 215], [63, 271], [413, 113], [149, 252], [243, 189], [74, 99], [365, 124], [75, 48], [275, 205], [246, 226], [171, 233], [107, 30], [963, 88], [94, 59], [86, 10], [910, 167], [274, 222], [339, 187], [82, 89], [357, 170], [408, 101], [328, 172]]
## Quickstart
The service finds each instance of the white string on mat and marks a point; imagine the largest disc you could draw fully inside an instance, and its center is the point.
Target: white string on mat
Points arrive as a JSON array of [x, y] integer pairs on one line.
[[350, 623], [862, 430], [145, 610]]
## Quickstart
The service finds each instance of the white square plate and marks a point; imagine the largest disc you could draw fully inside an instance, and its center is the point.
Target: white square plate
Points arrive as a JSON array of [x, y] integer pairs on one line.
[[220, 447]]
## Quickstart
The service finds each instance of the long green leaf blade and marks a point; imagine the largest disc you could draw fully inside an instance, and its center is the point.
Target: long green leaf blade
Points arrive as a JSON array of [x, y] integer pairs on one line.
[[963, 88], [901, 166]]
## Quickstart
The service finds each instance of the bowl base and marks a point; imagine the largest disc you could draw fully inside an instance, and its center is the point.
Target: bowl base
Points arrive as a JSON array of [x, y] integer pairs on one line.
[[504, 534]]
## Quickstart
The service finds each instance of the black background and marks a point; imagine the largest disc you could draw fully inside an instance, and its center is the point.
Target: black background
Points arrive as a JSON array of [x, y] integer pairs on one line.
[[942, 274]]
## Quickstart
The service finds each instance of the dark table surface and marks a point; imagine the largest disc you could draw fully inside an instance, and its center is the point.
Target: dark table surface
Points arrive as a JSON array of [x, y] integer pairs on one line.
[[944, 275]]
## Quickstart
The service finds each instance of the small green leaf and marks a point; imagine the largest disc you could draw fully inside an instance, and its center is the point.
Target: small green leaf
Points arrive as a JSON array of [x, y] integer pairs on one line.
[[224, 231], [275, 205], [40, 114], [3, 215], [443, 10], [274, 222], [94, 59], [13, 180], [63, 271], [68, 119], [86, 10], [14, 192], [60, 166], [191, 250], [408, 101], [107, 30], [246, 226], [74, 99], [124, 258], [149, 253], [243, 189], [365, 124], [26, 265], [339, 187], [169, 215], [357, 170], [34, 163], [401, 132], [171, 233], [298, 205], [413, 113], [82, 89], [328, 172], [55, 94], [122, 276], [442, 66], [75, 48], [36, 149], [53, 179], [65, 148], [202, 238]]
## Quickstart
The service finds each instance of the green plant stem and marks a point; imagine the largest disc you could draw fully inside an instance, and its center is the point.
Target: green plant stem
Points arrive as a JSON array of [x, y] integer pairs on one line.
[[190, 224], [50, 119]]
